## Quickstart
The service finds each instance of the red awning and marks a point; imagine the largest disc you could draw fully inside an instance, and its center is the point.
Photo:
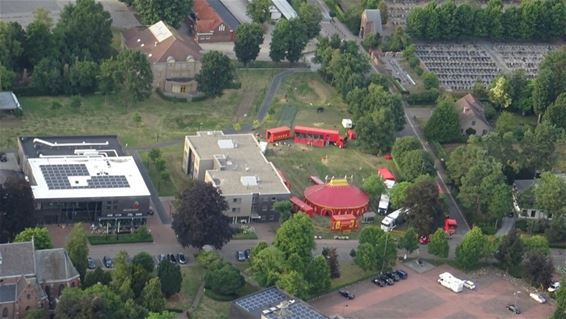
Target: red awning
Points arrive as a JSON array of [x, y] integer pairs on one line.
[[281, 129]]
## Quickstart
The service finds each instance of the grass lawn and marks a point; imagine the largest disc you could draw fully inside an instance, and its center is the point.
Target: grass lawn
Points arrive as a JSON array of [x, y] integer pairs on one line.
[[349, 273], [165, 187], [211, 309], [173, 155], [192, 278], [305, 92], [160, 120]]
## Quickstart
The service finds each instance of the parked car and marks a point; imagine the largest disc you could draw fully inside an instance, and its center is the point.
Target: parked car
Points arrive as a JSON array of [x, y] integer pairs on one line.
[[553, 287], [387, 280], [240, 255], [514, 308], [107, 261], [161, 257], [91, 263], [247, 253], [424, 239], [402, 274], [182, 259], [538, 297], [379, 282], [469, 284], [172, 258], [393, 276], [346, 294]]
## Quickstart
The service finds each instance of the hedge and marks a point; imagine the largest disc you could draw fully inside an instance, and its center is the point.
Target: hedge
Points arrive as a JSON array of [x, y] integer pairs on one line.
[[425, 97], [139, 236]]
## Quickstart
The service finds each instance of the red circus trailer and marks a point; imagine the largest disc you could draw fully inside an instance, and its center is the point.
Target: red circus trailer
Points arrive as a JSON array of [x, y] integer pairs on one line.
[[317, 137], [385, 174], [343, 222], [277, 134], [450, 226], [300, 206]]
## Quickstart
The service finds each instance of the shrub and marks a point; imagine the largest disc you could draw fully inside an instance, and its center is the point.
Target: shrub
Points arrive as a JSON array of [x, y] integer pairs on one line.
[[425, 97]]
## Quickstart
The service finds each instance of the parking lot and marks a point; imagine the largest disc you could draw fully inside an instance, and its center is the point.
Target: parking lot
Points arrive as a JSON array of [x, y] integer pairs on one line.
[[420, 296]]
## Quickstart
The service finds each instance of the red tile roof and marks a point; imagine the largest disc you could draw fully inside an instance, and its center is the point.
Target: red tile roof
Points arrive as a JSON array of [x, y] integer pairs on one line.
[[207, 19]]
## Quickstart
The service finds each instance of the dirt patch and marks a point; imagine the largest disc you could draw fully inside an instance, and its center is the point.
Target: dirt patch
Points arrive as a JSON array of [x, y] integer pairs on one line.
[[245, 106]]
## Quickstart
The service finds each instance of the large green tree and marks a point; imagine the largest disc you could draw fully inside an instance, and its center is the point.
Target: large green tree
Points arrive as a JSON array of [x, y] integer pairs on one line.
[[288, 40], [170, 277], [40, 236], [376, 250], [560, 312], [293, 283], [403, 145], [425, 208], [398, 194], [443, 126], [556, 113], [16, 207], [122, 275], [538, 269], [258, 10], [550, 81], [84, 31], [40, 41], [131, 76], [96, 276], [409, 241], [310, 16], [317, 275], [373, 186], [472, 249], [296, 235], [510, 252], [225, 280], [267, 265], [12, 37], [247, 41], [539, 147], [416, 163], [438, 244], [47, 77], [83, 77], [77, 248], [172, 12], [152, 298], [200, 220], [550, 193], [216, 73]]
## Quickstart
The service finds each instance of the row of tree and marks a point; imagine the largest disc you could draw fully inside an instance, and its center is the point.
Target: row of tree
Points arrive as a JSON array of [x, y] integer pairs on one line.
[[532, 20], [172, 12], [376, 112], [289, 263], [132, 290]]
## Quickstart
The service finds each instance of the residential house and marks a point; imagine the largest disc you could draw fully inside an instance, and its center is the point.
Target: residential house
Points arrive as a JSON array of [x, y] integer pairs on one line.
[[174, 57], [212, 22], [524, 199], [370, 23], [471, 115], [32, 279]]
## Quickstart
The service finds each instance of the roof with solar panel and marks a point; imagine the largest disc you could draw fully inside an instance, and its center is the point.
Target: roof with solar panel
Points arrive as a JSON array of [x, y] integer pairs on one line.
[[272, 303], [81, 167]]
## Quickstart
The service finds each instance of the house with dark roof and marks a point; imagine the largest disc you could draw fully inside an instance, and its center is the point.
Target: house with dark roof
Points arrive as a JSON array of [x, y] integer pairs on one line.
[[471, 115], [174, 57], [212, 22], [272, 303], [524, 199], [32, 279]]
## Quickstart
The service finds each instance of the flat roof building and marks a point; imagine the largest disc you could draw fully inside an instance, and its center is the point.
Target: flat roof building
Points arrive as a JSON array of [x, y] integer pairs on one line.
[[236, 165], [83, 178]]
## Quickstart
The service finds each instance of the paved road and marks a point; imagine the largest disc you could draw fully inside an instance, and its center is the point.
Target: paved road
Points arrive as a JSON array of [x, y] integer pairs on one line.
[[506, 226], [273, 87]]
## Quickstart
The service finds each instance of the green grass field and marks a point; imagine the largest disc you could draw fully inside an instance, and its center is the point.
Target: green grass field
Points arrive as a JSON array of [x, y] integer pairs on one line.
[[192, 278], [160, 120]]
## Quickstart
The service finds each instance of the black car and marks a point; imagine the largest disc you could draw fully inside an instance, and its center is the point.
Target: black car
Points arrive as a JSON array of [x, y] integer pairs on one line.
[[240, 255], [393, 276], [514, 308], [247, 253], [379, 282], [161, 258], [387, 280], [182, 259], [91, 263], [402, 274], [172, 258], [346, 294], [107, 261]]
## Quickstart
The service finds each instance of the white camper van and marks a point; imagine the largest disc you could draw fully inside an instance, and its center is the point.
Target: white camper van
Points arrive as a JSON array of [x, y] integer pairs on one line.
[[383, 205], [393, 220], [449, 281]]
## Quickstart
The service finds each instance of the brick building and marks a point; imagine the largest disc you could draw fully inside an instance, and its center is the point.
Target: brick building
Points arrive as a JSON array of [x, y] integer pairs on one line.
[[212, 22]]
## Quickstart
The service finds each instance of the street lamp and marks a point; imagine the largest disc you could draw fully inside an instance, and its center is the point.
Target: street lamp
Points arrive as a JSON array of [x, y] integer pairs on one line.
[[516, 294]]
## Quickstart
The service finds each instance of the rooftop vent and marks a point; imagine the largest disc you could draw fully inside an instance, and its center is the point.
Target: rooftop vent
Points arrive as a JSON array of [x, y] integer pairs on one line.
[[226, 144]]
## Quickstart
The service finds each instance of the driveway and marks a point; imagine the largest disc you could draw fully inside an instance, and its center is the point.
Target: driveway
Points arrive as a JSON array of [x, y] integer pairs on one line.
[[22, 11]]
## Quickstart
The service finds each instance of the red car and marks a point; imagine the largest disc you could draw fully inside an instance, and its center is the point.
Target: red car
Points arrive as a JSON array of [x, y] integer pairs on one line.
[[424, 239]]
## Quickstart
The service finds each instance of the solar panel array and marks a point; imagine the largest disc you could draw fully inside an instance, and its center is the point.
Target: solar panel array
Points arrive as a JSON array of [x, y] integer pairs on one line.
[[261, 300], [57, 177], [298, 310]]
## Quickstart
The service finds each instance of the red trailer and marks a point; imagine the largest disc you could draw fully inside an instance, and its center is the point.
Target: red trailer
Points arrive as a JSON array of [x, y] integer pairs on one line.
[[300, 206], [317, 137], [343, 222], [277, 134], [351, 134], [450, 226], [385, 174]]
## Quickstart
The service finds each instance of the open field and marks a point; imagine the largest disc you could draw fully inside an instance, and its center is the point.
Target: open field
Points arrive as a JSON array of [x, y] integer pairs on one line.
[[160, 120], [192, 278], [173, 156]]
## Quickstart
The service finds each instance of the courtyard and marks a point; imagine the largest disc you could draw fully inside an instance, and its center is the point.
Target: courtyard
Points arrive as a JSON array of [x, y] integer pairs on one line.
[[420, 296]]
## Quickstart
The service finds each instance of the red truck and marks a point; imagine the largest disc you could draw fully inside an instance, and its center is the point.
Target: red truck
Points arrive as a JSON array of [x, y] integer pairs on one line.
[[450, 226]]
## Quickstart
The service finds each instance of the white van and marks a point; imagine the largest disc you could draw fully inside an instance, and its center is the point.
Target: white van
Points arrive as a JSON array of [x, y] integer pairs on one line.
[[394, 219]]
